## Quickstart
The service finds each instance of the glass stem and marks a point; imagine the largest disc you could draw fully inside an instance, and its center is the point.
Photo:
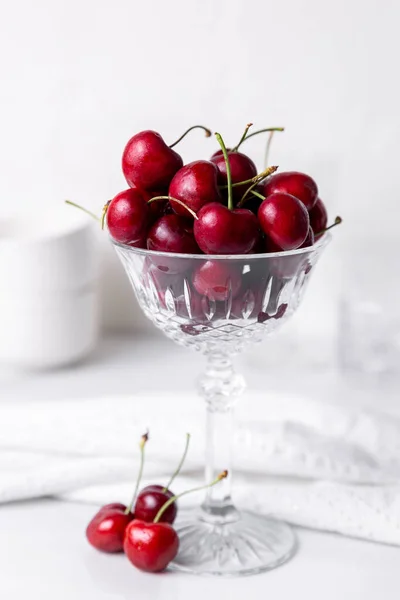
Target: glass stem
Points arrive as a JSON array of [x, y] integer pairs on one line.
[[219, 386]]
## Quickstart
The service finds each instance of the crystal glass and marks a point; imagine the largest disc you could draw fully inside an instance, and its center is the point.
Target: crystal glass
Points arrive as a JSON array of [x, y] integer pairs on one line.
[[218, 305]]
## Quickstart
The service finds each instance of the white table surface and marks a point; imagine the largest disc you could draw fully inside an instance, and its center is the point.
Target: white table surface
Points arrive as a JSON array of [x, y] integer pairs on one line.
[[43, 551]]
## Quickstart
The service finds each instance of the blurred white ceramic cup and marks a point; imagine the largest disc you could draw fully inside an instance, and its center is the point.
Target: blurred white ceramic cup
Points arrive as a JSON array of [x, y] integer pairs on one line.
[[48, 288]]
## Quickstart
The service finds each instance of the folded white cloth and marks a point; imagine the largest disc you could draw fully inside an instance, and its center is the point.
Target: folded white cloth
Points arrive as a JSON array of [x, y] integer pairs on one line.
[[314, 464]]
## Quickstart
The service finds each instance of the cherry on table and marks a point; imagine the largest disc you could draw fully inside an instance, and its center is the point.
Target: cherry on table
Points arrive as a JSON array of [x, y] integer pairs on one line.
[[299, 185], [195, 185], [150, 546], [106, 530], [150, 500], [284, 220]]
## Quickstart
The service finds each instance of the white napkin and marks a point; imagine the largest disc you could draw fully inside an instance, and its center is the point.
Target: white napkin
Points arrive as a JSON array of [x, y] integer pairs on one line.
[[313, 464]]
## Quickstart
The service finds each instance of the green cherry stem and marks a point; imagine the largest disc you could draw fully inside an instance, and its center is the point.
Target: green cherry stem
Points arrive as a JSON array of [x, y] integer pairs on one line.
[[228, 170], [205, 129], [143, 441], [174, 200], [179, 467], [104, 213], [257, 195], [249, 190], [268, 147], [235, 149], [338, 221], [197, 489], [260, 131], [268, 171], [85, 210]]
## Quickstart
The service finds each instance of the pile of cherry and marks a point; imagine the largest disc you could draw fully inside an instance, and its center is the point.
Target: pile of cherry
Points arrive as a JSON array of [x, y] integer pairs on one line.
[[143, 530], [216, 206]]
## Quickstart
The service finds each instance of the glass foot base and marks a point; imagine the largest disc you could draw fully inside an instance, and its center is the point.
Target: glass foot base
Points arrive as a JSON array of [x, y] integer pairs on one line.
[[249, 545]]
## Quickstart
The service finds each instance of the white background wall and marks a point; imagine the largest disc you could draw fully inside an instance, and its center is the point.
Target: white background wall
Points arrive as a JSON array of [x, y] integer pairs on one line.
[[79, 77]]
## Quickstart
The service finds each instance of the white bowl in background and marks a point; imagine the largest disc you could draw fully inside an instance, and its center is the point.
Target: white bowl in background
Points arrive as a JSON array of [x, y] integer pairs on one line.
[[48, 288]]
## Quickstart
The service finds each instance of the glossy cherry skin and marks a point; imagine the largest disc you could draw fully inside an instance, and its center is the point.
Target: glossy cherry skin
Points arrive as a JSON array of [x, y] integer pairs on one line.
[[150, 546], [171, 233], [128, 217], [148, 163], [242, 168], [106, 531], [299, 185], [309, 241], [217, 280], [195, 184], [149, 502], [318, 218], [284, 220], [219, 230]]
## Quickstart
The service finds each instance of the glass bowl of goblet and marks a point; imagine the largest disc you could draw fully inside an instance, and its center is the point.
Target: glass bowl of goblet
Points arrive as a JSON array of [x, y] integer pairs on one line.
[[218, 305]]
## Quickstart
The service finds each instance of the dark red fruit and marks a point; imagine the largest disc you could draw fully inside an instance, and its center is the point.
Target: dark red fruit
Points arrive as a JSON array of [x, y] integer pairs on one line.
[[172, 233], [309, 241], [150, 546], [318, 218], [106, 530], [242, 169], [219, 230], [148, 163], [127, 217], [217, 280], [299, 185], [195, 185], [253, 202], [149, 502], [284, 220]]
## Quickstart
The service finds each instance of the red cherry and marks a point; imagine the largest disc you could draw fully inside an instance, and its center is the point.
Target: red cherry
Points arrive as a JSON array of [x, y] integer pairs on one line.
[[147, 161], [112, 506], [284, 219], [150, 546], [296, 184], [195, 185], [149, 502], [242, 169], [217, 280], [309, 241], [106, 530], [172, 233], [128, 216], [318, 218], [219, 230]]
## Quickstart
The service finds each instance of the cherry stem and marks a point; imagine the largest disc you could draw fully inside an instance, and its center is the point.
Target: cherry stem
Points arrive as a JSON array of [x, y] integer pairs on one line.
[[268, 147], [207, 131], [257, 194], [337, 221], [235, 149], [85, 210], [174, 200], [247, 137], [179, 467], [268, 171], [197, 489], [142, 444], [228, 170], [104, 213]]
